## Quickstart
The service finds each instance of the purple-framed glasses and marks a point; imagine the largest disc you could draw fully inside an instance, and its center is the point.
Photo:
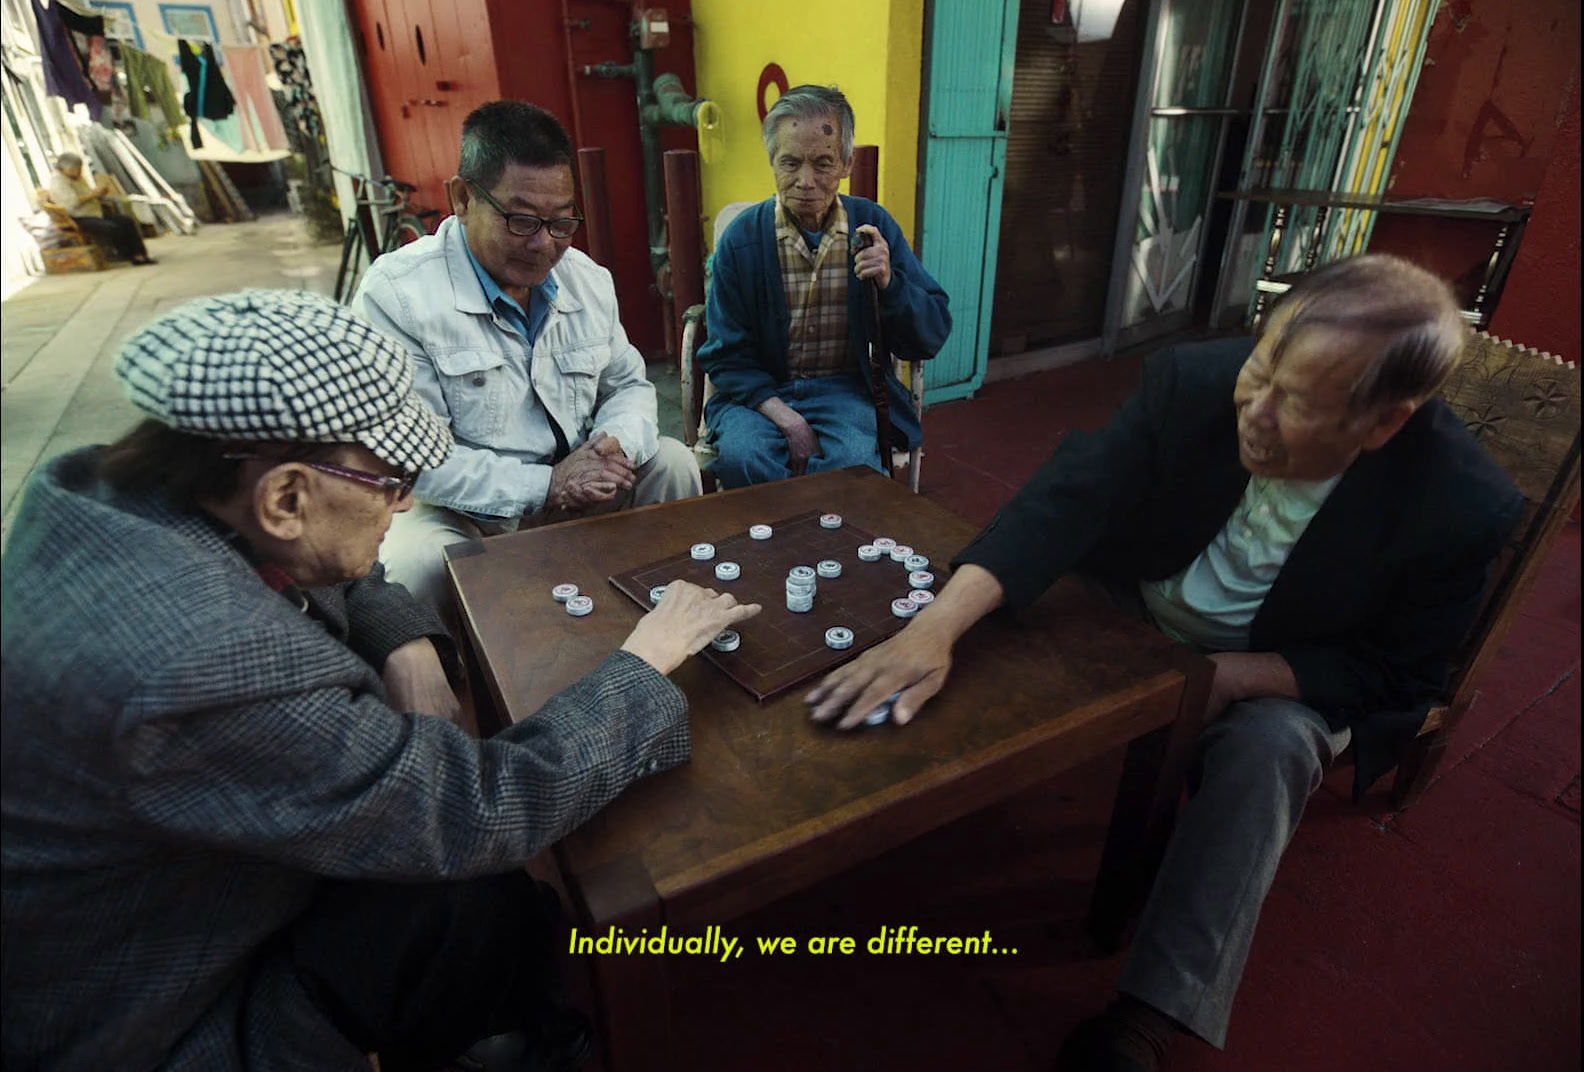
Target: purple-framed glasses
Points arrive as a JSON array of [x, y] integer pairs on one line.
[[401, 485]]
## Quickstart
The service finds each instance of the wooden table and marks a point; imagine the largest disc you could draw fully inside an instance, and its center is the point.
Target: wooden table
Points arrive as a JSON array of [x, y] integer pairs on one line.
[[773, 803]]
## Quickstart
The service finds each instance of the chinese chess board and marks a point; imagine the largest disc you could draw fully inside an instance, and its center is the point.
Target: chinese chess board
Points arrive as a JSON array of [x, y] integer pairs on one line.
[[781, 648]]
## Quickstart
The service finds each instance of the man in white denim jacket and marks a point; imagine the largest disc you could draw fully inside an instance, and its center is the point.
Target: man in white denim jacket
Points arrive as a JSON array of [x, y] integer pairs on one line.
[[518, 342]]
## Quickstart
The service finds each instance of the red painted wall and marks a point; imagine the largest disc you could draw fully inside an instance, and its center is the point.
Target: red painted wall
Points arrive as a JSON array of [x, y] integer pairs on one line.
[[1540, 307], [530, 54], [1488, 118]]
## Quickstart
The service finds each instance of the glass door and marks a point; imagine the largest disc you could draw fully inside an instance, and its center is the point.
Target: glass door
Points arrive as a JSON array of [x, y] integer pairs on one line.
[[1075, 79], [1180, 133]]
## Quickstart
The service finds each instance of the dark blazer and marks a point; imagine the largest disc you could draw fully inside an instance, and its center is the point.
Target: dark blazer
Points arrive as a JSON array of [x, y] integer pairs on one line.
[[1376, 595], [747, 319], [185, 757]]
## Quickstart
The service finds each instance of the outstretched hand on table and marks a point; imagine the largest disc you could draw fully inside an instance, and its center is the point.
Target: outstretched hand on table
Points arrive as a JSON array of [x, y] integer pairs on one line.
[[912, 666], [688, 618]]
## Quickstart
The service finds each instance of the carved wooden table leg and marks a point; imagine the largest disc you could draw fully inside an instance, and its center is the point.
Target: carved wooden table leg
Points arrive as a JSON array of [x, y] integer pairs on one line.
[[632, 991]]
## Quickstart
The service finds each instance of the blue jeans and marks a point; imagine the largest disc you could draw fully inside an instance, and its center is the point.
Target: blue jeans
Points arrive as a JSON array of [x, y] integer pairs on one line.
[[752, 450]]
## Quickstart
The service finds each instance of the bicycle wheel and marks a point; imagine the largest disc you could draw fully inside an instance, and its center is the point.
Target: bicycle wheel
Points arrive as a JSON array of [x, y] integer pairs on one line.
[[353, 276], [351, 264], [408, 228]]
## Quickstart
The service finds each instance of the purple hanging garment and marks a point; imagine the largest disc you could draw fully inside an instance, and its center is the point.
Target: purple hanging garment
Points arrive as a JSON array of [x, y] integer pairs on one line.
[[63, 73]]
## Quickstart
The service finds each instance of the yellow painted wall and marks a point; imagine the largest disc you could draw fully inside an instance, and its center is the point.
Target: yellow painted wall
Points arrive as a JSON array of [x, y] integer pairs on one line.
[[870, 49]]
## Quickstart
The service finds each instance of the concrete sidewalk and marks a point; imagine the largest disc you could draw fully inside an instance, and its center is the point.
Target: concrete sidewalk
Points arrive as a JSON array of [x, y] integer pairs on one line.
[[58, 336]]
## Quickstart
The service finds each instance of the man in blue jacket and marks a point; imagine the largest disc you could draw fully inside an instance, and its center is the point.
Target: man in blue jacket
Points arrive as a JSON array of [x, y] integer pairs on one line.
[[789, 338]]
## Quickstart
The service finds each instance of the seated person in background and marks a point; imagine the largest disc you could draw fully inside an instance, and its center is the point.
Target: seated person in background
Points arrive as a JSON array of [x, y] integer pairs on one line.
[[85, 205], [1304, 508], [519, 347], [788, 329], [233, 836]]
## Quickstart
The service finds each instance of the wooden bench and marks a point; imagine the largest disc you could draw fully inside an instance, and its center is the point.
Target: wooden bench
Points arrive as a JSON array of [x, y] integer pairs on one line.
[[1523, 405]]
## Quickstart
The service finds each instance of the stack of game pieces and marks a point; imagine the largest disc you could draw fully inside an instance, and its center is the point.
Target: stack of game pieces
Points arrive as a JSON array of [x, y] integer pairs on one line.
[[880, 715], [800, 586]]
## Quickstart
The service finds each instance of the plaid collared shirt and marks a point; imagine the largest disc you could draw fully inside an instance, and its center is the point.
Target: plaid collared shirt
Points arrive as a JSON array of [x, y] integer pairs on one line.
[[816, 295]]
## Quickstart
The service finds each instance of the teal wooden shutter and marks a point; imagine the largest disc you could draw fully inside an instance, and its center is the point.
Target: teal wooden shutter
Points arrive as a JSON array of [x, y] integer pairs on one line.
[[972, 46]]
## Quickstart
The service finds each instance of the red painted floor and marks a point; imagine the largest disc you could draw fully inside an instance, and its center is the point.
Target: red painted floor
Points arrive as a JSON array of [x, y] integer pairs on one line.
[[1440, 939]]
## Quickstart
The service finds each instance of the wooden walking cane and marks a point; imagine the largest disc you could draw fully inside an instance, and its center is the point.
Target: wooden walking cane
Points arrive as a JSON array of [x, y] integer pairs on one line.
[[879, 357]]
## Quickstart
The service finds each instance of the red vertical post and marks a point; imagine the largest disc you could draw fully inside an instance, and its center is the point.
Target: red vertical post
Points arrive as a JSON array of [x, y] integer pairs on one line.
[[865, 179], [685, 231], [596, 205]]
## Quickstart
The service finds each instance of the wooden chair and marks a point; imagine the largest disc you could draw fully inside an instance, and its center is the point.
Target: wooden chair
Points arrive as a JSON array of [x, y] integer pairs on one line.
[[696, 389], [80, 253], [1523, 405]]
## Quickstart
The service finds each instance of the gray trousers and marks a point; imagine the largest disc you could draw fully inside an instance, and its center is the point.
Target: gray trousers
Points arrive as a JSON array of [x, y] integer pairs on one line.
[[1259, 762]]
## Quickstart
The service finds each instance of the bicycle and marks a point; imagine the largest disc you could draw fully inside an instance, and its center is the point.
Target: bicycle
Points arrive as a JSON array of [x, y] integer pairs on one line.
[[402, 223]]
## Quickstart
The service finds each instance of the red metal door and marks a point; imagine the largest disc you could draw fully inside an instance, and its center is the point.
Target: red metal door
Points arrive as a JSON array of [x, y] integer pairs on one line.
[[461, 76], [377, 46], [410, 25], [474, 51]]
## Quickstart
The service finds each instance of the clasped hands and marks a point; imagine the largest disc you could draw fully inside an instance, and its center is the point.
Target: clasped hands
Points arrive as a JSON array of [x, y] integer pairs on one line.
[[596, 472]]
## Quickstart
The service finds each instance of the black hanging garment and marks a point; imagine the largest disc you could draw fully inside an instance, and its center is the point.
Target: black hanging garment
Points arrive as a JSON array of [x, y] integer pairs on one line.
[[208, 96]]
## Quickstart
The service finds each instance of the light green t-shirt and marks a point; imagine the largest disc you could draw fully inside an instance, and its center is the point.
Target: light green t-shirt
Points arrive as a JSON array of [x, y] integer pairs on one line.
[[1211, 603]]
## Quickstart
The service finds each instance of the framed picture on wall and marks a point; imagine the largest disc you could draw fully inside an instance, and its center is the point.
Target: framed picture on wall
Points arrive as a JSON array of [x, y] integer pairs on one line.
[[121, 22], [196, 22]]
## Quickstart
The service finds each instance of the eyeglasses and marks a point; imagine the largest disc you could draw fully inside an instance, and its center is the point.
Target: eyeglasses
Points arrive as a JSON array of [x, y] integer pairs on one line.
[[401, 485], [524, 224]]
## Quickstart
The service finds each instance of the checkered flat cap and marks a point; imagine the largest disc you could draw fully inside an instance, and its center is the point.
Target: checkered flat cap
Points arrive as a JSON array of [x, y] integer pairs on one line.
[[282, 366]]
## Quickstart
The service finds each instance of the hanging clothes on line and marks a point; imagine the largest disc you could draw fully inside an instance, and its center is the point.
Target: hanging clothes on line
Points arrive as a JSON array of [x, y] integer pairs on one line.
[[101, 68], [149, 87], [245, 65], [300, 109], [87, 37], [63, 68], [208, 95]]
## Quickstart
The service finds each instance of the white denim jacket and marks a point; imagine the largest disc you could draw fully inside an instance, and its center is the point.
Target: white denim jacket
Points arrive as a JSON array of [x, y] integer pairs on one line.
[[473, 367]]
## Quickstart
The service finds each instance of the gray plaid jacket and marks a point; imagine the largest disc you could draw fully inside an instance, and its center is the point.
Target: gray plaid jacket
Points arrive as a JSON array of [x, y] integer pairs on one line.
[[186, 756]]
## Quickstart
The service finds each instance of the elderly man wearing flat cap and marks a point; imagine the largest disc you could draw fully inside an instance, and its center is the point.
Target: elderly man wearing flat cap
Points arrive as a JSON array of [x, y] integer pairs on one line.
[[233, 835]]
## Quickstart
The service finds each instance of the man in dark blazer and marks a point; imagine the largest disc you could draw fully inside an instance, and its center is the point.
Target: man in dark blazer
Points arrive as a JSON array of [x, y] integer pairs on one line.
[[1304, 509], [234, 835]]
